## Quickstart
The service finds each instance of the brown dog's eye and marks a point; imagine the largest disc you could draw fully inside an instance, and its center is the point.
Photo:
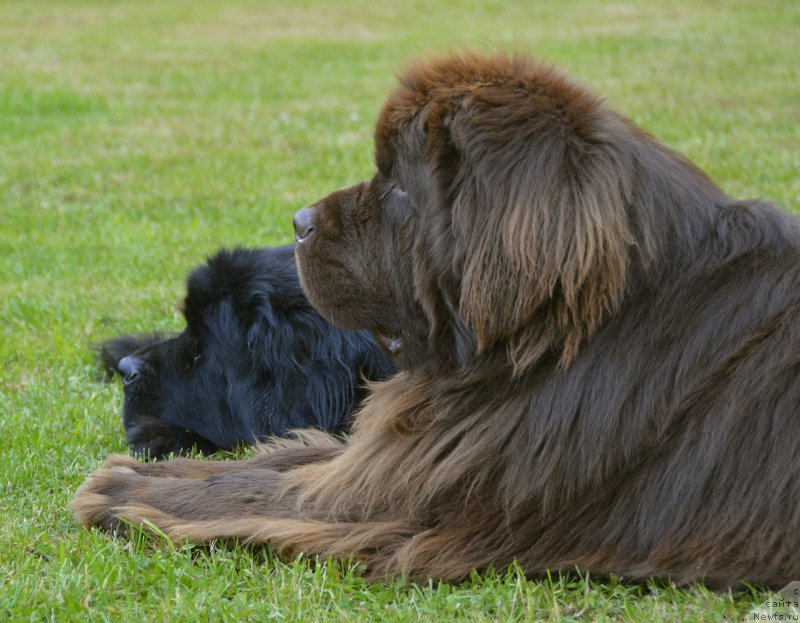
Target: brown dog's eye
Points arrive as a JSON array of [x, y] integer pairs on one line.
[[393, 191], [395, 204], [385, 193]]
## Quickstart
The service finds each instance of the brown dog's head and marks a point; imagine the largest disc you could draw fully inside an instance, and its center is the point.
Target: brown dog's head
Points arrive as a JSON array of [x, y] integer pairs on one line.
[[496, 224]]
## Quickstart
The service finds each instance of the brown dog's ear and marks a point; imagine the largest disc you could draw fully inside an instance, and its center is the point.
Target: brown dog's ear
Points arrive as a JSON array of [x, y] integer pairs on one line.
[[534, 180]]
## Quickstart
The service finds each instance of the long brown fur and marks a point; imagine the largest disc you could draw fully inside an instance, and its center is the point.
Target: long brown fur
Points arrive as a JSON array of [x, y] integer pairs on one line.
[[600, 356]]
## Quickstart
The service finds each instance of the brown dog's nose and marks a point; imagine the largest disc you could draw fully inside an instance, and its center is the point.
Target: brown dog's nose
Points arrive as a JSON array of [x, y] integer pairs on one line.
[[304, 222]]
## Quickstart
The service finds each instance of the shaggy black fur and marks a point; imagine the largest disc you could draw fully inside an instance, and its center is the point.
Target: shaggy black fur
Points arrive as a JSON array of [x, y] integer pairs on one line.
[[254, 360]]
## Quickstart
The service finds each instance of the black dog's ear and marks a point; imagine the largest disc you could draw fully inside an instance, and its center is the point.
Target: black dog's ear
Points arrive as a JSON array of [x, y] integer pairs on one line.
[[110, 352], [226, 276], [248, 279], [201, 291]]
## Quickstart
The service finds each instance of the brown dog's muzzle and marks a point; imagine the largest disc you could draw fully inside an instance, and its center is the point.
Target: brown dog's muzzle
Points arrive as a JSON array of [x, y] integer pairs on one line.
[[304, 221]]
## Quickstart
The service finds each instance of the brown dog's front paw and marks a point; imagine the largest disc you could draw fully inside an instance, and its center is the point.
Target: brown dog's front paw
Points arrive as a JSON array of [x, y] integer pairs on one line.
[[126, 461], [179, 467], [104, 491]]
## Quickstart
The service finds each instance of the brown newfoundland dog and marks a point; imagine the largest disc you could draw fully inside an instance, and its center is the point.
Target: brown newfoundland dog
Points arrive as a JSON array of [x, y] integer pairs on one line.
[[600, 353]]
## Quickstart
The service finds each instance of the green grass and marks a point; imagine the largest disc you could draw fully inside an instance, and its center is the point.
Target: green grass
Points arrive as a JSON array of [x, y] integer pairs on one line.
[[138, 137]]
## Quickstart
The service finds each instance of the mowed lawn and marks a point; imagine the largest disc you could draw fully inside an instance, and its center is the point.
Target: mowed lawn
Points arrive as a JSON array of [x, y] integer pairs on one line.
[[138, 137]]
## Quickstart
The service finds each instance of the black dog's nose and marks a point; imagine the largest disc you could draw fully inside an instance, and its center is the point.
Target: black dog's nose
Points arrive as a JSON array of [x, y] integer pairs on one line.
[[129, 368], [304, 222]]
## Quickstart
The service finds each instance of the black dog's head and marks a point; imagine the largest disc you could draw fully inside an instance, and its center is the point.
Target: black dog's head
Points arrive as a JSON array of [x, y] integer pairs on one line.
[[254, 360]]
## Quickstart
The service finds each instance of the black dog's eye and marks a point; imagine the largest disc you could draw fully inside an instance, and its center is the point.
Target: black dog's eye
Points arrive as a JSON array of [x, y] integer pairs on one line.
[[191, 363]]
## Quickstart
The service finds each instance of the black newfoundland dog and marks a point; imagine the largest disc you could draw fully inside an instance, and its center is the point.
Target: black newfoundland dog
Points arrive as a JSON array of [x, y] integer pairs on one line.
[[602, 356], [254, 361]]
